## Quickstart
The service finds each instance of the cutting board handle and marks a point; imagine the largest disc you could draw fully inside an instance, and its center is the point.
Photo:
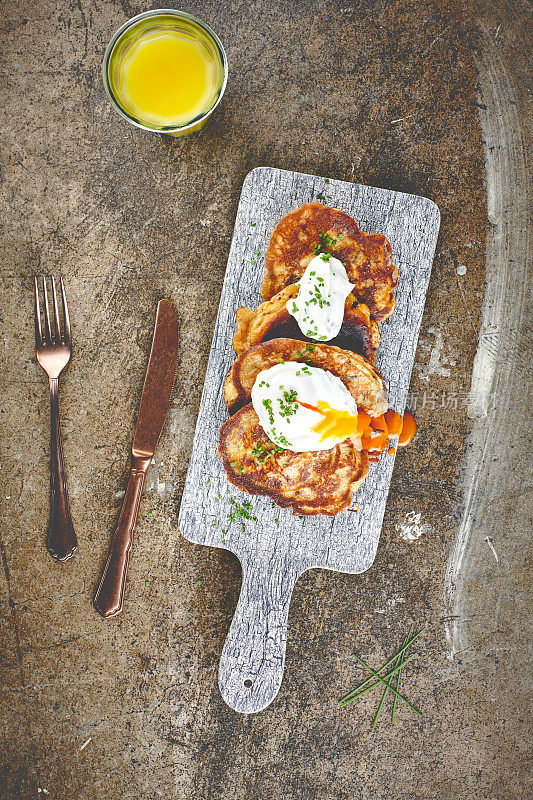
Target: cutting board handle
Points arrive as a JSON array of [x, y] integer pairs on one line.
[[251, 665]]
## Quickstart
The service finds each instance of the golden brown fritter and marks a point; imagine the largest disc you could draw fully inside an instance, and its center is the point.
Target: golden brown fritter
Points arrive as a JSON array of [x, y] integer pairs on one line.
[[319, 482], [252, 324], [367, 256], [362, 380], [271, 320]]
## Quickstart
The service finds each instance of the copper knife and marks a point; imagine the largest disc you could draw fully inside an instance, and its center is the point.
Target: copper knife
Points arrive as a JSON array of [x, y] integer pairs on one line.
[[153, 409]]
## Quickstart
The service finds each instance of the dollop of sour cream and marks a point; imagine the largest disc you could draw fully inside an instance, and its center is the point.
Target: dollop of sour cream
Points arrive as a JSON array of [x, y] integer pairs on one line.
[[277, 397], [319, 306]]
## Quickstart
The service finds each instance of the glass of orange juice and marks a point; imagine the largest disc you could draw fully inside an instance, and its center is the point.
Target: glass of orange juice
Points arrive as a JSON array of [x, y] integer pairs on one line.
[[165, 71]]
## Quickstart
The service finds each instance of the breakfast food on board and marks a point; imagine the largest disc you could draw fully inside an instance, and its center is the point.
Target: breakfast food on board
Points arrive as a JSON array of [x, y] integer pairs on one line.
[[361, 379], [309, 408], [367, 257], [271, 320], [310, 482]]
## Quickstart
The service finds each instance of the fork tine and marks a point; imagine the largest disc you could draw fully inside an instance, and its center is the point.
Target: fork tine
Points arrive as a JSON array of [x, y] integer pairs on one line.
[[38, 331], [65, 313], [57, 324], [46, 313]]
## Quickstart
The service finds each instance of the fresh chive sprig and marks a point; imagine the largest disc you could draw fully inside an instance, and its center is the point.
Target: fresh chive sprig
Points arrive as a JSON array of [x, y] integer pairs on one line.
[[386, 664], [357, 693], [376, 675], [379, 676], [400, 663]]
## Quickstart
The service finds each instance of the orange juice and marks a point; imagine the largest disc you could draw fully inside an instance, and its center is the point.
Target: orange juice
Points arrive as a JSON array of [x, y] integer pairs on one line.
[[167, 78], [165, 71]]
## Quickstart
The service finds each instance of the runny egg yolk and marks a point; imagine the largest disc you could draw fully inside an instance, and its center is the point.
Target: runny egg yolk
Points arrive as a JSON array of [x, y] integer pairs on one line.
[[408, 429], [336, 424], [375, 431]]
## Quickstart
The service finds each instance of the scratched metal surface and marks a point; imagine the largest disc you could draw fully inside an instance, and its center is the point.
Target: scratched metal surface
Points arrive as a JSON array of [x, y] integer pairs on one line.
[[276, 547]]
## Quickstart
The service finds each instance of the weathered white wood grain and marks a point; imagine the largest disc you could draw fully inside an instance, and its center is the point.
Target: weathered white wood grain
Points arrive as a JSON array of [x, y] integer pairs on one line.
[[276, 547]]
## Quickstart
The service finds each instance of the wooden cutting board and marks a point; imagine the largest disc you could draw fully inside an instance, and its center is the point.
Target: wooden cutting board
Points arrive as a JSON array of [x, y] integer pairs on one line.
[[275, 547]]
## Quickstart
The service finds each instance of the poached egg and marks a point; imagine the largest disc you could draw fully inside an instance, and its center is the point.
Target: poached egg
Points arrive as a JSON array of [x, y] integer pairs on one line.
[[319, 306], [303, 408]]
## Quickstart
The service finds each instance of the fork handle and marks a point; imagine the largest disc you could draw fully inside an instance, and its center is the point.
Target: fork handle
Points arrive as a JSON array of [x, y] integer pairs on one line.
[[109, 596], [61, 542]]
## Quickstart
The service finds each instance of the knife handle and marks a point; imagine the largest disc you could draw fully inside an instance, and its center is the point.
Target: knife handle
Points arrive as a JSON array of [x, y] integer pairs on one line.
[[109, 596]]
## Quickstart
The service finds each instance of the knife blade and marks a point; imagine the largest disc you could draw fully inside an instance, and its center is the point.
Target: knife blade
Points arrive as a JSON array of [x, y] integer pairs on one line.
[[158, 383], [153, 409]]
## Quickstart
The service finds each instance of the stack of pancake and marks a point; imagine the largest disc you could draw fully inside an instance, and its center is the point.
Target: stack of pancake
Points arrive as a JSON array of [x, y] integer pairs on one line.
[[315, 482]]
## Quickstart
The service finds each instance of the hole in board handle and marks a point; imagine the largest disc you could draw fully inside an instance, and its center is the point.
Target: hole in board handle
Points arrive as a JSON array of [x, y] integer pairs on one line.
[[248, 683]]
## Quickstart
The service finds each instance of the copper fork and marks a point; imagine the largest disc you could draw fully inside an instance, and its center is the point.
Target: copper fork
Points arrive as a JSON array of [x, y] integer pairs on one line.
[[53, 350]]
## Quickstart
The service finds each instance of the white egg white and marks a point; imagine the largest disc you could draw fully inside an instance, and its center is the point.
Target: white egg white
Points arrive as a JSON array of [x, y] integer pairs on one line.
[[286, 422], [319, 306]]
